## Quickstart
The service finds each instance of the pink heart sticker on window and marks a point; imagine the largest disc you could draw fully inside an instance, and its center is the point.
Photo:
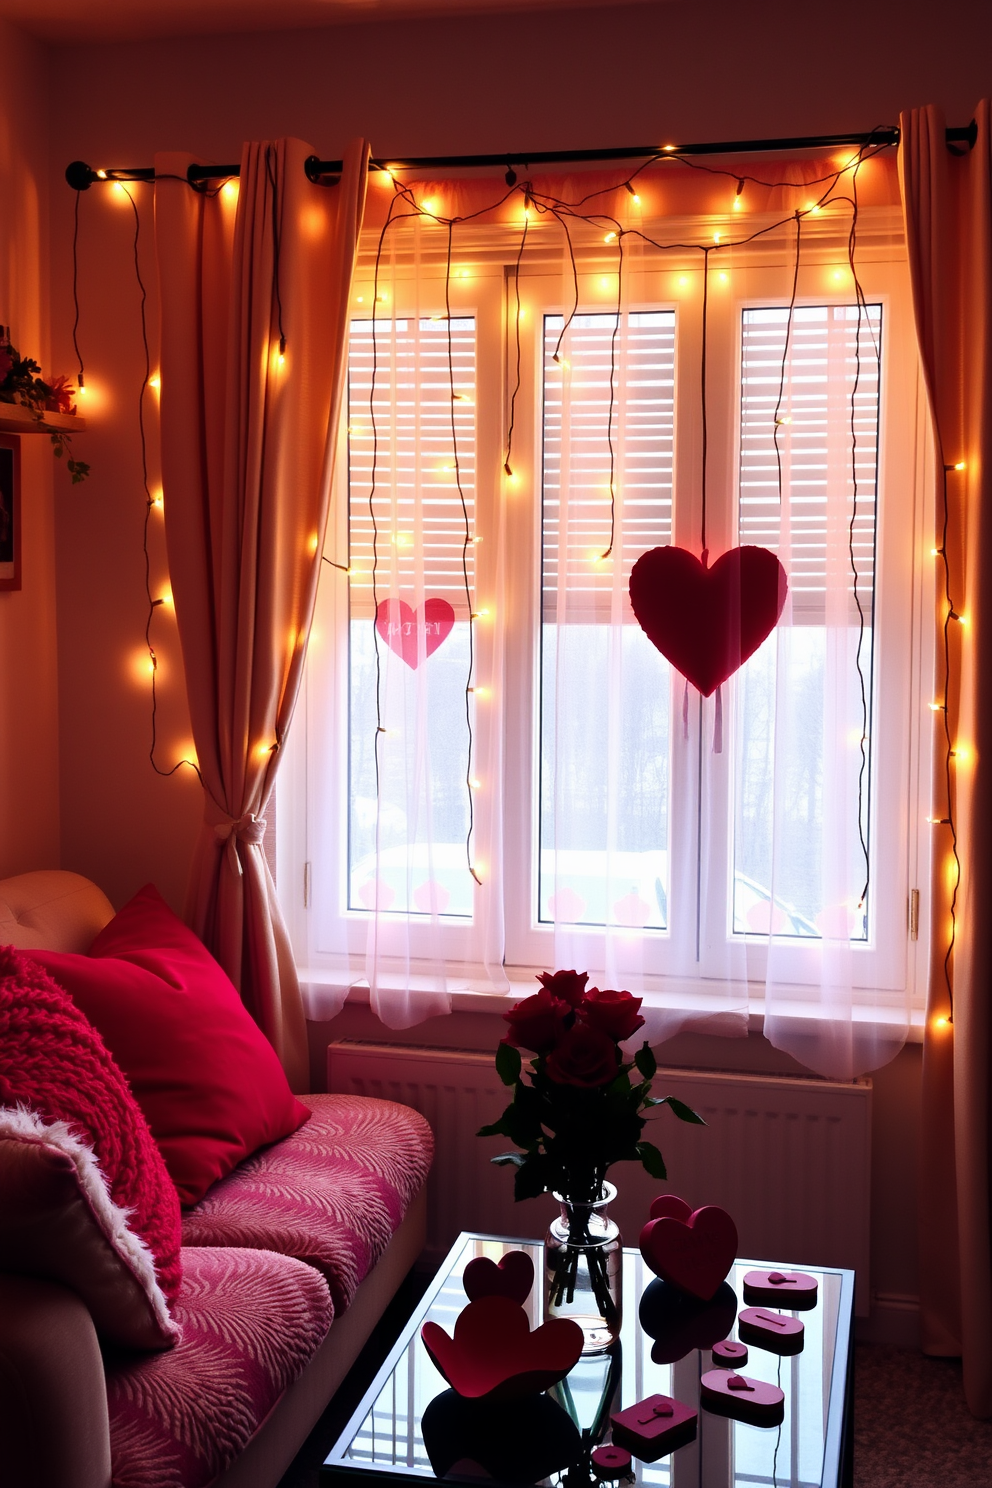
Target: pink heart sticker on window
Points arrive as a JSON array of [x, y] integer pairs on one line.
[[400, 627]]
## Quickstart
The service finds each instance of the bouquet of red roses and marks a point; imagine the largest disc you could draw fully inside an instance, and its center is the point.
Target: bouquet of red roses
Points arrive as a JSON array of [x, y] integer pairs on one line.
[[576, 1110]]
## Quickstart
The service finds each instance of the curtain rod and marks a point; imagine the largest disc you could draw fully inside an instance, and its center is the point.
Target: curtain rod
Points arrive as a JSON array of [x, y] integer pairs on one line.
[[81, 176]]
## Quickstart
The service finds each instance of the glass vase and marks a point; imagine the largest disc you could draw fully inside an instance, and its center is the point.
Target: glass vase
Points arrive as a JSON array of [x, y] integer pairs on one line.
[[583, 1269]]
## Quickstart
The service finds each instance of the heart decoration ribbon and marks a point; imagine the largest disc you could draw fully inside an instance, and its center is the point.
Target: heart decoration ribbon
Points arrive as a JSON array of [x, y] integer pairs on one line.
[[707, 621], [400, 625]]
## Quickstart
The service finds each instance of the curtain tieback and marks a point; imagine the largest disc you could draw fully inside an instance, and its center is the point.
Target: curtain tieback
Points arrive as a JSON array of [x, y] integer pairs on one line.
[[231, 830]]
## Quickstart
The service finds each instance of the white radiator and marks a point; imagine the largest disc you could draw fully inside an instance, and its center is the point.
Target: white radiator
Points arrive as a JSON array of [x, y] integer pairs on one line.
[[789, 1158]]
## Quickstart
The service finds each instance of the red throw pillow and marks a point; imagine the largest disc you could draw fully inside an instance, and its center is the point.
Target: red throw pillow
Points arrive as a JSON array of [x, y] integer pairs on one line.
[[206, 1077], [84, 1195]]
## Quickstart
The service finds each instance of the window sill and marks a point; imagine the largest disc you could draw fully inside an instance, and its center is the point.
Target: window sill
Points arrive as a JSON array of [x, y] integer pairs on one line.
[[325, 993]]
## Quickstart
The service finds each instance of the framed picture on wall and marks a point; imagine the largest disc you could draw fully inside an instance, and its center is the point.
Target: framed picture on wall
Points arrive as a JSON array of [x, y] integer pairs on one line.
[[10, 511]]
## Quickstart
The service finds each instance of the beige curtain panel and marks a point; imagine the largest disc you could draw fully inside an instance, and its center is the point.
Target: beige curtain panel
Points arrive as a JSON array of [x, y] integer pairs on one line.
[[948, 208], [255, 281]]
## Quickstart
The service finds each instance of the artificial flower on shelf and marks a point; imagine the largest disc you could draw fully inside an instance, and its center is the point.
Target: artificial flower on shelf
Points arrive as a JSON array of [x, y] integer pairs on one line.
[[578, 1108], [21, 382]]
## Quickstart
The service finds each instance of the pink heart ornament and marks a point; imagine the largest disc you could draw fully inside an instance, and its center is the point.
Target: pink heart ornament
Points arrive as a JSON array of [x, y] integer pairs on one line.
[[512, 1277], [694, 1255], [399, 625], [495, 1356]]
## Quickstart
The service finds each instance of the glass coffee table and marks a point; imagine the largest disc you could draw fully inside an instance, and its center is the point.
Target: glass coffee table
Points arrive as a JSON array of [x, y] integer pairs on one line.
[[411, 1427]]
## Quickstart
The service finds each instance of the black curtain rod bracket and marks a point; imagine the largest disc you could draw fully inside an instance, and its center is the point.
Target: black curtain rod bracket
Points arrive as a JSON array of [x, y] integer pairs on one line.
[[81, 176]]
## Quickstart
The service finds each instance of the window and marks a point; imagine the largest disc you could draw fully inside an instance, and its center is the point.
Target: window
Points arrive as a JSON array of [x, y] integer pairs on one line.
[[573, 792]]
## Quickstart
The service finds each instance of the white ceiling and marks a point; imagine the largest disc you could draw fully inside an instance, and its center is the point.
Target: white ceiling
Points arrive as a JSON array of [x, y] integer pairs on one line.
[[118, 20]]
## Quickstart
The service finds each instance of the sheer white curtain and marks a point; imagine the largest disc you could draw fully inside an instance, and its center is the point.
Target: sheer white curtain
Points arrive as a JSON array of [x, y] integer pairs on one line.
[[710, 880], [820, 767], [624, 798], [420, 758]]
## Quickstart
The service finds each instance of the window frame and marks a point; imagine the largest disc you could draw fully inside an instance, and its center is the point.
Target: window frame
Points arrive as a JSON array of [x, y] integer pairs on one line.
[[891, 962]]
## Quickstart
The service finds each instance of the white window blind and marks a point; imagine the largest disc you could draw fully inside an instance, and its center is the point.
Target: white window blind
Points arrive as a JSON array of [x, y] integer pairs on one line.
[[406, 388], [810, 683], [604, 688], [577, 445], [417, 507], [832, 359]]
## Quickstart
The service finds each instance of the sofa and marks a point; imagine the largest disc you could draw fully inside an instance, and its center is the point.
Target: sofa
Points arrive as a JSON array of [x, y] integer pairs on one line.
[[288, 1261]]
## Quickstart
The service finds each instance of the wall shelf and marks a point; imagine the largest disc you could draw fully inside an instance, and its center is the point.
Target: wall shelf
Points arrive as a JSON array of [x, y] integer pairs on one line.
[[16, 419]]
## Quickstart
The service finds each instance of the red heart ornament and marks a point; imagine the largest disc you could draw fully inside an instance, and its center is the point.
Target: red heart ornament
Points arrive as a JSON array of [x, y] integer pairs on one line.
[[399, 625], [513, 1277], [671, 1205], [495, 1356], [695, 1255], [707, 621]]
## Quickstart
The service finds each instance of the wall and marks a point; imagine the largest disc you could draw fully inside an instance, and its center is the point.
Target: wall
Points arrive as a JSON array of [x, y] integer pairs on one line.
[[542, 80], [29, 786]]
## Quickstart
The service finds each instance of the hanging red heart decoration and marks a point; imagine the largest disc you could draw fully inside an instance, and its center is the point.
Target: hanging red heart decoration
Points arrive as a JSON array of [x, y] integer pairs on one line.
[[707, 621], [399, 625]]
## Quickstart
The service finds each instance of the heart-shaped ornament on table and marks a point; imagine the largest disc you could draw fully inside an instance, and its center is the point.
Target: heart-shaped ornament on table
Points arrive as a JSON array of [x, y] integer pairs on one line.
[[707, 621], [513, 1277], [400, 626], [495, 1356], [669, 1204], [695, 1254]]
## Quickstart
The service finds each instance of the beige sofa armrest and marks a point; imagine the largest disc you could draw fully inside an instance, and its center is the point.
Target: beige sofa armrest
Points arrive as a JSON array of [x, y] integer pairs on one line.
[[53, 1397], [52, 910]]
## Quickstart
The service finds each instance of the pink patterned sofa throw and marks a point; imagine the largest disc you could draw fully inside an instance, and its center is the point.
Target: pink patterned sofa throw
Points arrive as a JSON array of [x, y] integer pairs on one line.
[[331, 1193], [251, 1322]]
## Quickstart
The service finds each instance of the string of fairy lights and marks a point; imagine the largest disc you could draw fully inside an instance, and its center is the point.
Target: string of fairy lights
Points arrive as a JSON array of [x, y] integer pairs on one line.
[[538, 203], [405, 206]]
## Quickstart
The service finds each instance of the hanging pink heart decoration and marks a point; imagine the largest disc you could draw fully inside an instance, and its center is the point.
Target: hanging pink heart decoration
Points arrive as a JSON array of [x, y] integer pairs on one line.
[[707, 621], [399, 625]]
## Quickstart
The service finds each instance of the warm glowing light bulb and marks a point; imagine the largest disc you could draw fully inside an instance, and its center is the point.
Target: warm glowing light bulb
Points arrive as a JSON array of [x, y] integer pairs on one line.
[[158, 500], [962, 753], [230, 190], [429, 206], [722, 277], [737, 204], [155, 381], [961, 619], [838, 274], [604, 282], [716, 237], [668, 147], [936, 707], [475, 784], [683, 280], [935, 552], [166, 598], [481, 692], [312, 544], [101, 175], [635, 198], [611, 237], [960, 465], [121, 189]]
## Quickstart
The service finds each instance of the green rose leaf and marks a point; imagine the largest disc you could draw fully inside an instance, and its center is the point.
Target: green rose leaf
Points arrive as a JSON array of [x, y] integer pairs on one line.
[[684, 1112], [652, 1159], [645, 1061], [531, 1178], [508, 1063]]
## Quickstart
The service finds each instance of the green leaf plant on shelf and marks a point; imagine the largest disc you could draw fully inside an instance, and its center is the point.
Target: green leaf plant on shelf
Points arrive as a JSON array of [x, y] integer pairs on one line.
[[21, 382], [578, 1108]]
